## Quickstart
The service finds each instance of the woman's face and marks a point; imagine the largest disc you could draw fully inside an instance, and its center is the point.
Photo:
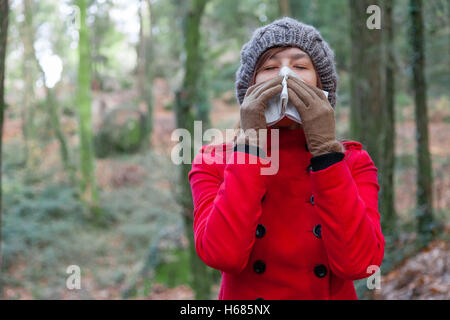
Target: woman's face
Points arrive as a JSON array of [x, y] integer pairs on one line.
[[294, 58], [299, 62]]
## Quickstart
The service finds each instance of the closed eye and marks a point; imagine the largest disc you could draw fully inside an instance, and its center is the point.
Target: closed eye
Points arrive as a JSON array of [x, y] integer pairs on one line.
[[299, 67]]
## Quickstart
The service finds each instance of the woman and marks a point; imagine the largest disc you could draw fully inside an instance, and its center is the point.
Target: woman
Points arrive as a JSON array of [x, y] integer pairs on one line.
[[310, 229]]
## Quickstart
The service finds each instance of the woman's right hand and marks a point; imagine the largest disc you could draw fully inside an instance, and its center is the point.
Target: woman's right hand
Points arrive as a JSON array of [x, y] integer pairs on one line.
[[253, 108]]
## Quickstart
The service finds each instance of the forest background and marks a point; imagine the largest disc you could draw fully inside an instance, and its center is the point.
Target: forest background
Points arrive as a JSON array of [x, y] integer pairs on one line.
[[91, 91]]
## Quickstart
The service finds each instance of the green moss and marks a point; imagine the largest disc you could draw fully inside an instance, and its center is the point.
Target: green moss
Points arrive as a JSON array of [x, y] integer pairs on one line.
[[123, 131], [175, 269], [129, 135]]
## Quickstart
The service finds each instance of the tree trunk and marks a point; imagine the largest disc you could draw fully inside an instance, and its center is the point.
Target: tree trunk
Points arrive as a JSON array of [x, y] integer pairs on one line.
[[306, 11], [186, 99], [367, 72], [4, 12], [203, 102], [87, 164], [424, 210], [389, 218], [29, 73], [148, 85], [54, 117], [144, 70], [285, 9], [52, 105], [301, 10], [141, 52]]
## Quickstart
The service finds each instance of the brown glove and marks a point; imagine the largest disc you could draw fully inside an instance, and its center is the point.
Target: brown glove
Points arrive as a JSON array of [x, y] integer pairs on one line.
[[253, 108], [317, 117]]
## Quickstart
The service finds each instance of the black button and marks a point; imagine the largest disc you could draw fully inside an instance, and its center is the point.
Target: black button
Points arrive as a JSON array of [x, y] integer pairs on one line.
[[259, 266], [259, 298], [264, 196], [260, 231], [317, 231], [311, 199], [306, 146], [320, 270]]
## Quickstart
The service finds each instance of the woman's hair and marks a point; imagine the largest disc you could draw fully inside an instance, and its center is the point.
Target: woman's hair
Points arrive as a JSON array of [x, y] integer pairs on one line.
[[262, 60]]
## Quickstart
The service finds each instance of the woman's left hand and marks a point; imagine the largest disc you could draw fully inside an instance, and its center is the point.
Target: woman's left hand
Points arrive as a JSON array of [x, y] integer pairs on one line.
[[317, 117]]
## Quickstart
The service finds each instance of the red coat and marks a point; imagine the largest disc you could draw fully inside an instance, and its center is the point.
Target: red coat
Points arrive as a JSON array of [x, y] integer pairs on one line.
[[298, 234]]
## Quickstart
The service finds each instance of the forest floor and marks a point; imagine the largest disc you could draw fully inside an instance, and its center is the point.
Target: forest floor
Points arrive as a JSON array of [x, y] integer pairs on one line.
[[130, 184]]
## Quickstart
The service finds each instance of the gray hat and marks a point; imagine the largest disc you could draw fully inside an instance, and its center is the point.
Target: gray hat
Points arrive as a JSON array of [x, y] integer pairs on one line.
[[286, 32]]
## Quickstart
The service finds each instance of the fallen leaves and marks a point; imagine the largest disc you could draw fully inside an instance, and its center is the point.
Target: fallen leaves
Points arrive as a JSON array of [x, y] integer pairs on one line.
[[422, 277]]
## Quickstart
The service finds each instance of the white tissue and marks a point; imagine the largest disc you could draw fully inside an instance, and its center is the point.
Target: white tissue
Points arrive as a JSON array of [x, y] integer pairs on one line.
[[279, 105]]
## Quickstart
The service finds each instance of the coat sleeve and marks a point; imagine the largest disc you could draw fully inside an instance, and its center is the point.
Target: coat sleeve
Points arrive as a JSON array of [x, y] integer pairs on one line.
[[347, 203], [226, 209]]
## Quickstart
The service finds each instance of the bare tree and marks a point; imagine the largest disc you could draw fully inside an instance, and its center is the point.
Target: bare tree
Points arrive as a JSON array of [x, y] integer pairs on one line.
[[387, 207], [29, 73], [87, 160], [285, 9], [367, 72], [424, 209], [186, 100], [144, 65], [4, 12]]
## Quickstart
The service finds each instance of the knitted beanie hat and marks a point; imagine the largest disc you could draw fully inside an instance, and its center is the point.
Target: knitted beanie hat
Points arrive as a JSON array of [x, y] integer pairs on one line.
[[287, 32]]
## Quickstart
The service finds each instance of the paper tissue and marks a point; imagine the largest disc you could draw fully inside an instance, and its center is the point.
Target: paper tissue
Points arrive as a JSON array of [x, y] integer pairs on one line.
[[279, 105]]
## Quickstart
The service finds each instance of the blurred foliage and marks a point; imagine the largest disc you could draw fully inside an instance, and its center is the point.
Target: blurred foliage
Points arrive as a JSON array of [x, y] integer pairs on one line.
[[123, 131], [39, 219], [174, 269], [45, 227]]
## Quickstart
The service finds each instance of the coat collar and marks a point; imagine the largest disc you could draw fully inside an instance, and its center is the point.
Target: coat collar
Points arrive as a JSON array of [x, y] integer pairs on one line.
[[292, 147], [288, 138]]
